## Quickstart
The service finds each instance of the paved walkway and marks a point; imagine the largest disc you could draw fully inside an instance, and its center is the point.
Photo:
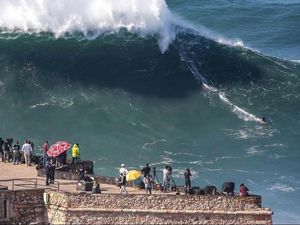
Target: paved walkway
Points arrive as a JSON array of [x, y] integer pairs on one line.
[[26, 177]]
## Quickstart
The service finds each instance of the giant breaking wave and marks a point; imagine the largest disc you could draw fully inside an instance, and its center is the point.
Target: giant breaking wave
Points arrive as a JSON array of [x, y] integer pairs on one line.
[[89, 17]]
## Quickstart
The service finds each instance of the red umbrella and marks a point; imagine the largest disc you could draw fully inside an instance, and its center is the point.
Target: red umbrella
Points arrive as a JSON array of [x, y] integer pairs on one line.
[[58, 148]]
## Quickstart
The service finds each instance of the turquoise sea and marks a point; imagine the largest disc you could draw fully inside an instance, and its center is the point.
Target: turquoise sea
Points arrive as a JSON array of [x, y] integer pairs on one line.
[[177, 82]]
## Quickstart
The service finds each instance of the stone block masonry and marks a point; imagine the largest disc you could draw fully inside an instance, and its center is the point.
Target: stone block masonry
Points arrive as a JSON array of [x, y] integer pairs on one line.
[[82, 208], [40, 206], [22, 207]]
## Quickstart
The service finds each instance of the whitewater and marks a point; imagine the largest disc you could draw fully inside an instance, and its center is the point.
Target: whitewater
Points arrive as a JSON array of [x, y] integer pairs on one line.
[[184, 83], [91, 18]]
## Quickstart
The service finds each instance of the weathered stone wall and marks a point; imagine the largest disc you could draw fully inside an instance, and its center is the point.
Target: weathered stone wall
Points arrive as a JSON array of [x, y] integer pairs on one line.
[[28, 206], [79, 208], [22, 206]]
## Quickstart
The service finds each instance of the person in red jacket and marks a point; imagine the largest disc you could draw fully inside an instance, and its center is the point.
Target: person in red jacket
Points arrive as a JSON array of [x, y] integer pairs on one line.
[[243, 190]]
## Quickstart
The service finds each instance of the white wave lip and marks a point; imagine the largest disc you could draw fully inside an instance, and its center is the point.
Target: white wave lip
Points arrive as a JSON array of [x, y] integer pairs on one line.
[[91, 17]]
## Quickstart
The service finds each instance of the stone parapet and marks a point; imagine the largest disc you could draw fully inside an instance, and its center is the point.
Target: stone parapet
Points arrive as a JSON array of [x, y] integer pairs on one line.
[[155, 209], [55, 207]]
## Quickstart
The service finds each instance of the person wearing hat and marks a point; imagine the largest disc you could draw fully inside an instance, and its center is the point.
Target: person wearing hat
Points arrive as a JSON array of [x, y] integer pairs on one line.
[[123, 170]]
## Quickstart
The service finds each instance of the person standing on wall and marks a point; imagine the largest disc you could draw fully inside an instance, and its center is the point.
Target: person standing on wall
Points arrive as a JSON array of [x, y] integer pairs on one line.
[[26, 149], [166, 179], [50, 171], [187, 179], [7, 147], [123, 184], [1, 148], [148, 181], [45, 150], [75, 153], [146, 170], [16, 153]]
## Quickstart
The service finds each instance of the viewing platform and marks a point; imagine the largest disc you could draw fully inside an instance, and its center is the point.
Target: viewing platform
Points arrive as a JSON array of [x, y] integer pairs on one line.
[[27, 200]]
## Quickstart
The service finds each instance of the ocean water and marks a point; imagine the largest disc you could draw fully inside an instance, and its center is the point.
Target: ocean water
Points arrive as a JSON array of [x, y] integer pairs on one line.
[[183, 83]]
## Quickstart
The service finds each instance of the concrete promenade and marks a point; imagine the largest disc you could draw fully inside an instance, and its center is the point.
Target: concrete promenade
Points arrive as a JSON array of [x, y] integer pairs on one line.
[[8, 171]]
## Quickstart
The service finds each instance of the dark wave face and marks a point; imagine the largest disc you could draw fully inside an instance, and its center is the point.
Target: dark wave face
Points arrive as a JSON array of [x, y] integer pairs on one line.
[[154, 90], [134, 65], [45, 63]]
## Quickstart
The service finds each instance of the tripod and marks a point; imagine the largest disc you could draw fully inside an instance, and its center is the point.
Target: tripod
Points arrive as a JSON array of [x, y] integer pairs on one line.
[[155, 178], [156, 181], [175, 186]]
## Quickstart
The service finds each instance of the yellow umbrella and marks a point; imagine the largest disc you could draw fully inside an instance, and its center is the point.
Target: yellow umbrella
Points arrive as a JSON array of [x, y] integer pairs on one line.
[[133, 175]]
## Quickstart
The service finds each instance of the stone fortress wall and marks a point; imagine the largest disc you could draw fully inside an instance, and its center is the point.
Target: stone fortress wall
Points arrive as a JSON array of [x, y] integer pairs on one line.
[[56, 207], [22, 206]]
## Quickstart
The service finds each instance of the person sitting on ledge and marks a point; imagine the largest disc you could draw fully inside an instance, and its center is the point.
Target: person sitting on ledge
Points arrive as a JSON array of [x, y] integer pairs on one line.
[[96, 187], [80, 174], [243, 190]]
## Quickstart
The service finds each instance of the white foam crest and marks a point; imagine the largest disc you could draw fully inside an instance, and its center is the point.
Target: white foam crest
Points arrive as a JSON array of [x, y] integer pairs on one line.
[[241, 171], [153, 143], [90, 17], [296, 60], [226, 157], [55, 101], [214, 170], [281, 187], [179, 153], [253, 150], [233, 42], [39, 105]]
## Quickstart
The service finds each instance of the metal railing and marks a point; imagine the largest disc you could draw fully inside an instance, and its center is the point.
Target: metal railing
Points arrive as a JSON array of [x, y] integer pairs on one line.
[[29, 183]]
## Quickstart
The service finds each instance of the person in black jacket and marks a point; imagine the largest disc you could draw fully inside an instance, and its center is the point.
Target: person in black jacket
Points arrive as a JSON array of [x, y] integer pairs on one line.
[[16, 153], [187, 179], [7, 148], [50, 172], [146, 170], [1, 148]]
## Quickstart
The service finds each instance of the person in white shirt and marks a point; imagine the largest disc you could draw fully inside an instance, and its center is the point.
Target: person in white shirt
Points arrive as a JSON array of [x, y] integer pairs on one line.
[[166, 179], [26, 149], [123, 170]]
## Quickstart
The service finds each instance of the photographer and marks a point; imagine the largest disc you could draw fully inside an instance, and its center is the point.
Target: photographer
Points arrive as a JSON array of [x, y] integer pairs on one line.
[[187, 179], [167, 172], [146, 170]]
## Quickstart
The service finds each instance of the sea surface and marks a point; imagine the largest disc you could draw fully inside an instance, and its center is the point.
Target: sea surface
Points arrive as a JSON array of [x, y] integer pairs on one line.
[[178, 82]]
